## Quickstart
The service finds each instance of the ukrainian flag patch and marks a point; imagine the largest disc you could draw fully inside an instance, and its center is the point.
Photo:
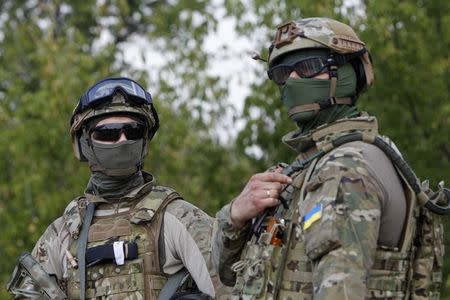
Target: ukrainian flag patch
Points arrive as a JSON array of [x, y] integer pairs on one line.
[[313, 215]]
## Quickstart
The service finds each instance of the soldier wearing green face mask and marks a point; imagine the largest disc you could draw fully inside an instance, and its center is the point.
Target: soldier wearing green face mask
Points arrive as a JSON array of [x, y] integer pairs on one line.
[[126, 235], [353, 222]]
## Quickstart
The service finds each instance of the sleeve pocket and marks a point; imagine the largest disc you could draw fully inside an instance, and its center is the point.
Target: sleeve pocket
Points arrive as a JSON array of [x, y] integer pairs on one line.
[[320, 217]]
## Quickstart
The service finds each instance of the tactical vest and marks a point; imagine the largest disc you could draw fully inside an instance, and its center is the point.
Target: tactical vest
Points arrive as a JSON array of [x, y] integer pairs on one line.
[[269, 269], [138, 278]]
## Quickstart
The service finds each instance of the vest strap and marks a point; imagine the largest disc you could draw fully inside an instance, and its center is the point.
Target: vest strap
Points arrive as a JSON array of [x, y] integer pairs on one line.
[[172, 284], [81, 251], [160, 250]]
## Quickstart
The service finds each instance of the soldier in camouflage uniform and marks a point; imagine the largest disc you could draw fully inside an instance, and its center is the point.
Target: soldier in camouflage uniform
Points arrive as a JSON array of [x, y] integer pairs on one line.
[[131, 233], [345, 226]]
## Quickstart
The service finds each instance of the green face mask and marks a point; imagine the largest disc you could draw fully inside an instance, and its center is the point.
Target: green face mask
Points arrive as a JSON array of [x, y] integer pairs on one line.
[[300, 91]]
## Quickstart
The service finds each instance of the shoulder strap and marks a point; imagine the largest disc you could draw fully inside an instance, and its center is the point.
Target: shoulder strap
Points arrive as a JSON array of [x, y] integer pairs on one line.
[[172, 284], [145, 210], [81, 251], [430, 202], [72, 215], [160, 250], [150, 210]]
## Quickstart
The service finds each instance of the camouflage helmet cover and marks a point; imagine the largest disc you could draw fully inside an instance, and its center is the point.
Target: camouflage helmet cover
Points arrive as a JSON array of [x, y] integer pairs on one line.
[[320, 33]]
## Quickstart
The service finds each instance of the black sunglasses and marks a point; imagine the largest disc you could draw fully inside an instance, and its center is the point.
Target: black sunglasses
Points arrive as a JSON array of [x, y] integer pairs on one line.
[[305, 68], [112, 132]]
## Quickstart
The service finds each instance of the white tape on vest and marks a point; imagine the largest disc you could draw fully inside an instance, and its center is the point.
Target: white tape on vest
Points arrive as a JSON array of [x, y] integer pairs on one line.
[[119, 255]]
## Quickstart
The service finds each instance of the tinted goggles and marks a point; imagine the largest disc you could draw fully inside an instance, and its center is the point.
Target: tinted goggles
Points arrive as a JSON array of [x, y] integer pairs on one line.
[[305, 68], [102, 91], [112, 132]]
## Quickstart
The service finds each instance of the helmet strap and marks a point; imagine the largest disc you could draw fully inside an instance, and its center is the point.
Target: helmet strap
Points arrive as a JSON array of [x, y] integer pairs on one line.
[[321, 105], [333, 73]]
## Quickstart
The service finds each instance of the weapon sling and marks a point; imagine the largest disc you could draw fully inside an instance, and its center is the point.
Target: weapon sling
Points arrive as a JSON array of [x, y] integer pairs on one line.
[[81, 251]]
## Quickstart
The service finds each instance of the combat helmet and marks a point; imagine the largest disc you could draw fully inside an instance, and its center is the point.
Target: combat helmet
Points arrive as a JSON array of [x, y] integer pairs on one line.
[[339, 38], [322, 33], [114, 95]]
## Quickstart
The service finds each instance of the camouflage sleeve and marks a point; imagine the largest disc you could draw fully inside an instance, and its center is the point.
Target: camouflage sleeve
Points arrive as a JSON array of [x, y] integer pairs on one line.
[[202, 228], [181, 250], [227, 245], [198, 224], [340, 220], [48, 252]]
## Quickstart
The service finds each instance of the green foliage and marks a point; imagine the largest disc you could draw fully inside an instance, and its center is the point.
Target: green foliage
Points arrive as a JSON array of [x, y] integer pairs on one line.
[[51, 51]]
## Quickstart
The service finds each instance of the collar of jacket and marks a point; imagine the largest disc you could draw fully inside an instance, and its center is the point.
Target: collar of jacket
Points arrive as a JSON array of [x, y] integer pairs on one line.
[[308, 144]]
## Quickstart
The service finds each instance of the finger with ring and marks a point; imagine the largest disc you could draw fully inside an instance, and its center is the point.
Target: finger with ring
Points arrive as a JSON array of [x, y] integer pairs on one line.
[[268, 193]]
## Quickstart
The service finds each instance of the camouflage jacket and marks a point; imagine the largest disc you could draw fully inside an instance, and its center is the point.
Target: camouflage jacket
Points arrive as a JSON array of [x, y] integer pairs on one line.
[[350, 203], [187, 236]]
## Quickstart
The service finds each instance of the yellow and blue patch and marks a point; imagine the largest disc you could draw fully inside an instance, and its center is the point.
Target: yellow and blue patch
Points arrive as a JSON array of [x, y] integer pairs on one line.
[[313, 215]]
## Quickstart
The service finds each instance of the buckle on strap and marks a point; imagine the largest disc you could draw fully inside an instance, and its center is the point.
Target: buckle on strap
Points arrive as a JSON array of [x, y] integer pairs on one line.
[[323, 104], [117, 252], [333, 100]]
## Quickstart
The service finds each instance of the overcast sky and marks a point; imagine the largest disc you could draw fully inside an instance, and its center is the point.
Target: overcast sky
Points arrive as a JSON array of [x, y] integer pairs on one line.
[[231, 66]]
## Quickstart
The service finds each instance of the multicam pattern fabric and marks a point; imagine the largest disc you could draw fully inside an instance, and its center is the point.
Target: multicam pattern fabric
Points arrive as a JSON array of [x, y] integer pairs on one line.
[[139, 278], [202, 228], [429, 257], [337, 255], [198, 224], [345, 239]]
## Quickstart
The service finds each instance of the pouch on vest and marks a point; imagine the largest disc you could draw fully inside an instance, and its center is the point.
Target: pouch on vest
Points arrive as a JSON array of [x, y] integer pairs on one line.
[[139, 276]]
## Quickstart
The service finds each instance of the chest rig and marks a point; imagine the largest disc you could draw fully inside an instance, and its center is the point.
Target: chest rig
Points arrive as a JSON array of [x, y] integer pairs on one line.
[[137, 232], [275, 265]]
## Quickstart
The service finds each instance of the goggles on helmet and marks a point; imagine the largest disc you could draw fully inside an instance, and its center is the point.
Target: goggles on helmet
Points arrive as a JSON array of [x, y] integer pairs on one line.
[[305, 68], [103, 90], [112, 132]]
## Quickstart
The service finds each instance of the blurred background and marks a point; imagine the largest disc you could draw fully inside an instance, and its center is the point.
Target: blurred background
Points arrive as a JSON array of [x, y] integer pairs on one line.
[[221, 119]]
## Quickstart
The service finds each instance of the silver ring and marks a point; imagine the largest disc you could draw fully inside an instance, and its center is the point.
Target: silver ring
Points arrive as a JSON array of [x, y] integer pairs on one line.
[[268, 193]]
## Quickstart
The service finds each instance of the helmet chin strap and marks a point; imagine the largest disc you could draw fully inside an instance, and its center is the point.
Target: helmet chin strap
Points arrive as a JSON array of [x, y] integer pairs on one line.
[[333, 73]]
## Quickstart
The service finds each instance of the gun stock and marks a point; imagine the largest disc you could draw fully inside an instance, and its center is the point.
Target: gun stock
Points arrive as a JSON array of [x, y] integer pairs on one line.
[[28, 267]]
